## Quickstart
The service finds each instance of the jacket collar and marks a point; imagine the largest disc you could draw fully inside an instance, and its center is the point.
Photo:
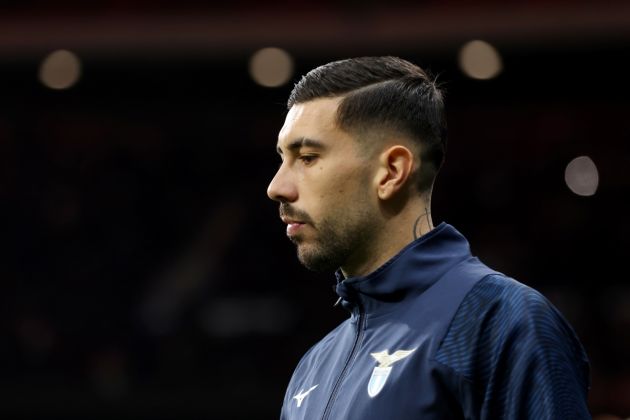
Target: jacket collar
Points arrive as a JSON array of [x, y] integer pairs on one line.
[[413, 270]]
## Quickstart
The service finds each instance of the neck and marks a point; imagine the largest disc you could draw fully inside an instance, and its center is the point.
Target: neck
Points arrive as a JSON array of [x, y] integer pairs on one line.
[[396, 233], [423, 223]]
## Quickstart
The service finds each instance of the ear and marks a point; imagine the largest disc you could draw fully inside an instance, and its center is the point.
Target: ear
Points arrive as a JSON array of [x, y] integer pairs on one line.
[[395, 167]]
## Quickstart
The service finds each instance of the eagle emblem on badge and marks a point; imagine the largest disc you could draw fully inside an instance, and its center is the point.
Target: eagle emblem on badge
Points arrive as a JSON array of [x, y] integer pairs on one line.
[[382, 371]]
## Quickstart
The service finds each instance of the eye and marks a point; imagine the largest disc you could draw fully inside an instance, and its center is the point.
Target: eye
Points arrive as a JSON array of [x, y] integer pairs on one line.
[[308, 159]]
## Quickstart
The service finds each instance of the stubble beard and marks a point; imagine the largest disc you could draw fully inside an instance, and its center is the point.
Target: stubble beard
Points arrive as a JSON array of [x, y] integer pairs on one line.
[[338, 238]]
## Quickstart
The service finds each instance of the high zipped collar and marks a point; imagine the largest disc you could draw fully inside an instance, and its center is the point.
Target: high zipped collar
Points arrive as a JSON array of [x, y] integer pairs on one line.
[[413, 270]]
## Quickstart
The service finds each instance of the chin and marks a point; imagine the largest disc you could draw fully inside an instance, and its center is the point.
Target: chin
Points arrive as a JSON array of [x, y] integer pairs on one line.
[[316, 261]]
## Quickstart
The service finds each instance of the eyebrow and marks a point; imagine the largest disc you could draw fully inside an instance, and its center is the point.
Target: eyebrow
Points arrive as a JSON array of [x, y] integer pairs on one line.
[[298, 143]]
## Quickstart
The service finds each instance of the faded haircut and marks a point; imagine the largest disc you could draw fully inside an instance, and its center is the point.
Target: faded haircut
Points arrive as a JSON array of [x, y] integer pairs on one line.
[[384, 93]]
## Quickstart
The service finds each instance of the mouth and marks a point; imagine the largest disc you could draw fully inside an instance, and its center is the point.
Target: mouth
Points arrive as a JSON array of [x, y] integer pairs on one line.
[[293, 226], [296, 221]]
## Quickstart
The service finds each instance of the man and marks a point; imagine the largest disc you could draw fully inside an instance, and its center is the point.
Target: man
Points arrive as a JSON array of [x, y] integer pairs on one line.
[[433, 333]]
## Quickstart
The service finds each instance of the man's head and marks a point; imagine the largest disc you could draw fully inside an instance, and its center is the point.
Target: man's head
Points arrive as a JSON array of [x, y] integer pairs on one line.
[[383, 96], [362, 136]]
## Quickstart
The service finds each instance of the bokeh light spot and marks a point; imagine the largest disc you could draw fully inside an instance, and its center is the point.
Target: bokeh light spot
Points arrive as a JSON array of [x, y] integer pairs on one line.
[[480, 60], [271, 67], [61, 69], [581, 176]]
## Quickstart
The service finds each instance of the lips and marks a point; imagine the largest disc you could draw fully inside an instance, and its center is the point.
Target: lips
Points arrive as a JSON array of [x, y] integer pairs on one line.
[[293, 228], [289, 220], [295, 219]]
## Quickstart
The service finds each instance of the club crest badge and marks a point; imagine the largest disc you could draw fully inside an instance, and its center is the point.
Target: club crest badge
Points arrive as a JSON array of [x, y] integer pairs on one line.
[[384, 368]]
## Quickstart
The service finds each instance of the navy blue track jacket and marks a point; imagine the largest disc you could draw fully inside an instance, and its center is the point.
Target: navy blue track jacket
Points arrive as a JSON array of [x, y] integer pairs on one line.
[[435, 334]]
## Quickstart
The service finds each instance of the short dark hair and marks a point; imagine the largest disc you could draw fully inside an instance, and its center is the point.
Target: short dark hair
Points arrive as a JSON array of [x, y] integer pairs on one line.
[[384, 93]]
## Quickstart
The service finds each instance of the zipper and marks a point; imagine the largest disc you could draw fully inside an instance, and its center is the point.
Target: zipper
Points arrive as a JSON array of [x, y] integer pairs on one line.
[[344, 371]]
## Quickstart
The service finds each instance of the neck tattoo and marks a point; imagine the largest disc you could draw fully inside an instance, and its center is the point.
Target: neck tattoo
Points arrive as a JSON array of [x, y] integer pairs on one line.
[[417, 226]]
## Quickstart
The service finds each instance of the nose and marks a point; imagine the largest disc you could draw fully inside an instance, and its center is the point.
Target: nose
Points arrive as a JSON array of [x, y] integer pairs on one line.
[[282, 188]]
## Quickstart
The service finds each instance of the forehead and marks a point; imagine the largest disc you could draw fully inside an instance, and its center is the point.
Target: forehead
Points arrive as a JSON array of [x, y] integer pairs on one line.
[[313, 119]]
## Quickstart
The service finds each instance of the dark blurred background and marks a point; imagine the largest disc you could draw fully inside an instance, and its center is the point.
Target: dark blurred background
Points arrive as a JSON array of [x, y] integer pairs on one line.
[[146, 275]]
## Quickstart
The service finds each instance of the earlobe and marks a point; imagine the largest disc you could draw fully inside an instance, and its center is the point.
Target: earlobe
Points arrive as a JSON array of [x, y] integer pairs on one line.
[[395, 167]]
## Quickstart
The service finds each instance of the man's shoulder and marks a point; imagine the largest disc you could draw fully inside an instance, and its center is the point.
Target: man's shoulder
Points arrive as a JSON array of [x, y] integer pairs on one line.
[[498, 315], [497, 302], [504, 294]]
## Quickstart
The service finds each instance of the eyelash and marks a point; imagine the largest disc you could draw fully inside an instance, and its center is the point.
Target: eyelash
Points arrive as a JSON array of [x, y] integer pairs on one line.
[[308, 159]]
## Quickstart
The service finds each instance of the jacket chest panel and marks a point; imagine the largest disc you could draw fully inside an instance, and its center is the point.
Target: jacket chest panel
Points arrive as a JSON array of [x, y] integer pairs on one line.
[[390, 364]]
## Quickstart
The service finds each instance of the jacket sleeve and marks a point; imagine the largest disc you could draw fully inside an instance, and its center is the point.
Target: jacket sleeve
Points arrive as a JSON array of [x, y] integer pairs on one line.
[[515, 355]]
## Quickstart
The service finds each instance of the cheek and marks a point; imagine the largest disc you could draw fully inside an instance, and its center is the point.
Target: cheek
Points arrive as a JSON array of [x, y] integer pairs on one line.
[[347, 192], [338, 185]]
